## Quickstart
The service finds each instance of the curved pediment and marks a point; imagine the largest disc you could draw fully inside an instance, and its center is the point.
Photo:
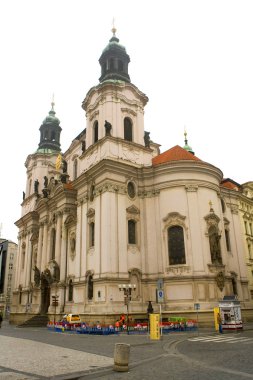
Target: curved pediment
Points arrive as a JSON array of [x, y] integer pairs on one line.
[[133, 210]]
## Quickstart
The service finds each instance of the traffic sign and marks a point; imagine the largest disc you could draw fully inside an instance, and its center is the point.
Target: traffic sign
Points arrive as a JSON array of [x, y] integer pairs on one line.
[[159, 295], [160, 283]]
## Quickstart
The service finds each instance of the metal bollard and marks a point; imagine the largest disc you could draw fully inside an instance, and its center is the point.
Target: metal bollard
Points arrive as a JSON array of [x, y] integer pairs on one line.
[[121, 357]]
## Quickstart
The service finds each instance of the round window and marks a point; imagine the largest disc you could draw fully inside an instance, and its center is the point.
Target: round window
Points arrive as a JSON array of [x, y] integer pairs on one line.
[[131, 189]]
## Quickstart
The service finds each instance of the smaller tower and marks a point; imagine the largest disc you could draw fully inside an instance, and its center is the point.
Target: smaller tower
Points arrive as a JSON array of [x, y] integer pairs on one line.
[[187, 147], [50, 132]]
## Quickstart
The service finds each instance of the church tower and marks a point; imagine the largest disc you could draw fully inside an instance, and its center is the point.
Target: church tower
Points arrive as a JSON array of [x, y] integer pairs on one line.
[[41, 164], [115, 108]]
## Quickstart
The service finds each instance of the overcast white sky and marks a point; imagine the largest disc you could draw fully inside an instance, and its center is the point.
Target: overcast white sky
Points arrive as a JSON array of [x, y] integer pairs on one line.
[[193, 59]]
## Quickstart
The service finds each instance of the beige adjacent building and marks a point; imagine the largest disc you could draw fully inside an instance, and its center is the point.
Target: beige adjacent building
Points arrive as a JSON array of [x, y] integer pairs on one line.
[[113, 210]]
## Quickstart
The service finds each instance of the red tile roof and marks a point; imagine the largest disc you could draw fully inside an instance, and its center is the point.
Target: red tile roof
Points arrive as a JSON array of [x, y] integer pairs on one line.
[[230, 184], [174, 154]]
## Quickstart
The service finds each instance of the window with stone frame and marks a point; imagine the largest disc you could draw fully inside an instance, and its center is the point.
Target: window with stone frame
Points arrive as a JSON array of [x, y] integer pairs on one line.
[[176, 245], [90, 287], [70, 298], [128, 129], [91, 234], [227, 237], [95, 131], [75, 169], [131, 231], [53, 242]]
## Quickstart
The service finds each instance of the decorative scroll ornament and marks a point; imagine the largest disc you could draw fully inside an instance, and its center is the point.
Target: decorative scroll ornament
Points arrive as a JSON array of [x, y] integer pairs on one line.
[[220, 280]]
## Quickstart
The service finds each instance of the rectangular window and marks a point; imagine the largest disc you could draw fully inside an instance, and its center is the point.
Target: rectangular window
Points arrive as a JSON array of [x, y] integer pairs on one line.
[[246, 228], [176, 245], [131, 232], [92, 234], [227, 240]]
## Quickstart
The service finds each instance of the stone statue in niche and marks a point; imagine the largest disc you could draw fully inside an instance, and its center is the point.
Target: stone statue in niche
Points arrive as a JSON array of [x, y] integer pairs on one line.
[[147, 139], [83, 146], [215, 249], [55, 272], [36, 276], [108, 128], [23, 195], [36, 186]]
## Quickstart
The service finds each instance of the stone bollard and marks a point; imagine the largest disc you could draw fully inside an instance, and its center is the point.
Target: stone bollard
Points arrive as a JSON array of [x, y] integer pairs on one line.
[[121, 357]]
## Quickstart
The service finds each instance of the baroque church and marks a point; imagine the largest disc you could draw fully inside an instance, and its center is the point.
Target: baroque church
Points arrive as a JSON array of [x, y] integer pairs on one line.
[[114, 211]]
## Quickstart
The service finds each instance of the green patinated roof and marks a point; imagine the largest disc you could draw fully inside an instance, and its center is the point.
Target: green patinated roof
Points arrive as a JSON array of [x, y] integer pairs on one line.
[[114, 44]]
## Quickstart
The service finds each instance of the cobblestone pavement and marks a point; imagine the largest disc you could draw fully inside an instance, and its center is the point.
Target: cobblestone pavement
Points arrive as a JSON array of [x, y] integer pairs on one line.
[[37, 353]]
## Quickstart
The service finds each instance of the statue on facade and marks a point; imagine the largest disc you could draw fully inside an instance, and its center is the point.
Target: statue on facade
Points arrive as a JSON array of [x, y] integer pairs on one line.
[[23, 195], [147, 139], [215, 249], [36, 186], [36, 276], [83, 146], [55, 272], [45, 182], [45, 193], [108, 128]]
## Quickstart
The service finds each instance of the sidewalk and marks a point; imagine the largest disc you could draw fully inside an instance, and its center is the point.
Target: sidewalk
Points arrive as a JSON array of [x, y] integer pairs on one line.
[[25, 355]]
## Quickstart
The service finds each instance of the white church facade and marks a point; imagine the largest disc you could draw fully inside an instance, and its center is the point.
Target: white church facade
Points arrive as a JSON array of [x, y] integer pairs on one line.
[[113, 210]]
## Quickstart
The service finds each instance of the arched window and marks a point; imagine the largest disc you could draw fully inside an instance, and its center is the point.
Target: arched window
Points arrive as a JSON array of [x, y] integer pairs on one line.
[[131, 231], [92, 234], [30, 187], [70, 290], [53, 135], [120, 65], [176, 245], [23, 259], [234, 286], [214, 241], [227, 240], [128, 129], [111, 64], [90, 287], [53, 240], [20, 296], [95, 131], [75, 169], [223, 206]]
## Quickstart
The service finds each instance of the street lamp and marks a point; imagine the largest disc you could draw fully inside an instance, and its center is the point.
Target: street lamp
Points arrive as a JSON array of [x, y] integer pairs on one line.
[[127, 289]]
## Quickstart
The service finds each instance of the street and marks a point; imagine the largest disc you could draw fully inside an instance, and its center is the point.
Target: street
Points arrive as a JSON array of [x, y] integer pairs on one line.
[[37, 353]]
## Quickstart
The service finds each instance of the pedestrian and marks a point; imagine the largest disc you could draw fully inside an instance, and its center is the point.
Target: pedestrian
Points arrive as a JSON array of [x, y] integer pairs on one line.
[[1, 319], [219, 323]]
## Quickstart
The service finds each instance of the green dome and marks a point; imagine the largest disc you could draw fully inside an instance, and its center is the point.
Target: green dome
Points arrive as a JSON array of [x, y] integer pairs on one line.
[[51, 118]]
